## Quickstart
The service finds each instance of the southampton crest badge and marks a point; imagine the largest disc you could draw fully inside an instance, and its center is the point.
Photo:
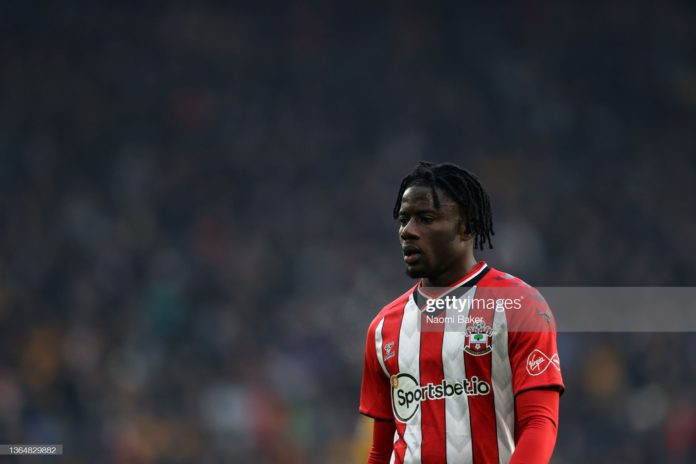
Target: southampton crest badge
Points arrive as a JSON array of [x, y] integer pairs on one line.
[[478, 339]]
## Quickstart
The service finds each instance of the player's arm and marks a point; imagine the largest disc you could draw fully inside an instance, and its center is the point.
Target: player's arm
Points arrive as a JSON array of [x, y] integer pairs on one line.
[[536, 425], [536, 378], [375, 402], [382, 442]]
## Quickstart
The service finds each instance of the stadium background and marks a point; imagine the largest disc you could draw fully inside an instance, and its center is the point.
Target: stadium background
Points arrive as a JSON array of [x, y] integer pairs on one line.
[[196, 206]]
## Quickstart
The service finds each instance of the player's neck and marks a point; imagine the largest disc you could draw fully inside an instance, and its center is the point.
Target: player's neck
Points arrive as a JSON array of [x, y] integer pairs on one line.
[[451, 276]]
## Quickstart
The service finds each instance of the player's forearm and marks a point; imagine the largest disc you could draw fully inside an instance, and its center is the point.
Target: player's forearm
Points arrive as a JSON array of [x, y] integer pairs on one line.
[[536, 443], [382, 442], [537, 419]]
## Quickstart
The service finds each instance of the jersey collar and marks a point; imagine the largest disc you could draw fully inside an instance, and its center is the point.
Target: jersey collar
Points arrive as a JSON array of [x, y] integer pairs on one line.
[[465, 283]]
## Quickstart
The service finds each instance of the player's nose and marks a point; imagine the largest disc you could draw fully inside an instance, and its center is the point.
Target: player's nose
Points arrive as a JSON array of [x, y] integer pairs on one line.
[[409, 231]]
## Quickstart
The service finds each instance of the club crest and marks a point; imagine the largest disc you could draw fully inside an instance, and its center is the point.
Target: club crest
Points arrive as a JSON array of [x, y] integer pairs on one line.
[[478, 339]]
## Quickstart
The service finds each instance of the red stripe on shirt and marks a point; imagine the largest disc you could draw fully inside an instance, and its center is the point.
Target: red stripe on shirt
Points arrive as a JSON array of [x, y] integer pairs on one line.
[[391, 330], [432, 411], [484, 437]]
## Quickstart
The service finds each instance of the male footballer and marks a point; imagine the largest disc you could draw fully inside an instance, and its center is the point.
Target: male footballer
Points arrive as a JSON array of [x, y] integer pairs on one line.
[[463, 367]]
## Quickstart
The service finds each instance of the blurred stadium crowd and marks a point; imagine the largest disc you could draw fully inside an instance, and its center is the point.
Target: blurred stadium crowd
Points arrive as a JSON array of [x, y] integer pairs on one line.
[[197, 230]]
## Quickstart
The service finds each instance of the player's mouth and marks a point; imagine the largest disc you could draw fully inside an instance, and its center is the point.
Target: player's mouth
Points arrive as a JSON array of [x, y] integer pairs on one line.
[[411, 254]]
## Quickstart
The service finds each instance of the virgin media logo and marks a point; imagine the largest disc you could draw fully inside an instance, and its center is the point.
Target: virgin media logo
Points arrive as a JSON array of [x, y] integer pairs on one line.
[[538, 362]]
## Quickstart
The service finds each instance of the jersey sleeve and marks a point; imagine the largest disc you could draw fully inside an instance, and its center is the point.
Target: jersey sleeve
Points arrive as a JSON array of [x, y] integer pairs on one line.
[[536, 426], [375, 391], [382, 442], [532, 345]]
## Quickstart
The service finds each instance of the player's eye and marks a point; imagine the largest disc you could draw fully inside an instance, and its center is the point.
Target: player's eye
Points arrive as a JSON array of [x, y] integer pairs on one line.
[[403, 220], [427, 219]]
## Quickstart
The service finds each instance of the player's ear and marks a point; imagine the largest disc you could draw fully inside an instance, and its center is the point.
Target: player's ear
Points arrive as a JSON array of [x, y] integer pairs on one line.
[[463, 232]]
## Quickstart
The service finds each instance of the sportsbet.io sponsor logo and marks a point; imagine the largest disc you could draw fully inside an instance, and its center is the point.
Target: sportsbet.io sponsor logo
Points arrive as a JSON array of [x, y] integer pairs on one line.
[[407, 394]]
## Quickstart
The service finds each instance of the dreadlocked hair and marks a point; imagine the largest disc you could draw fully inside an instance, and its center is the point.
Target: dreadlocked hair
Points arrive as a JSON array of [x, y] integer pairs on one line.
[[463, 187]]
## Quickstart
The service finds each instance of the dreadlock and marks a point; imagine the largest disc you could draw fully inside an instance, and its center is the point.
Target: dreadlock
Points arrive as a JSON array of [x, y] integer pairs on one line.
[[463, 187]]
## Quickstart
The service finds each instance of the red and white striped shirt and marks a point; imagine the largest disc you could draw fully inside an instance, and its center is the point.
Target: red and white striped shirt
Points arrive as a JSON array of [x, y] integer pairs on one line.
[[450, 385]]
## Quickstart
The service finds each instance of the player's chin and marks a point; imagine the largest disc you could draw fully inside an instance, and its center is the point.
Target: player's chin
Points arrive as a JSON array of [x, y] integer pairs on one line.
[[415, 271]]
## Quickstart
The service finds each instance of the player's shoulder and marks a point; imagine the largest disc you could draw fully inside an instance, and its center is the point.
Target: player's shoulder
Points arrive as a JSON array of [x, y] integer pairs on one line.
[[527, 303], [508, 284], [394, 307], [497, 278]]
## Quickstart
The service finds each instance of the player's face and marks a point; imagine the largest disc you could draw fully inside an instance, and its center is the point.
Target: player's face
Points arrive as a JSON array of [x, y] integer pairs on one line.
[[433, 240]]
